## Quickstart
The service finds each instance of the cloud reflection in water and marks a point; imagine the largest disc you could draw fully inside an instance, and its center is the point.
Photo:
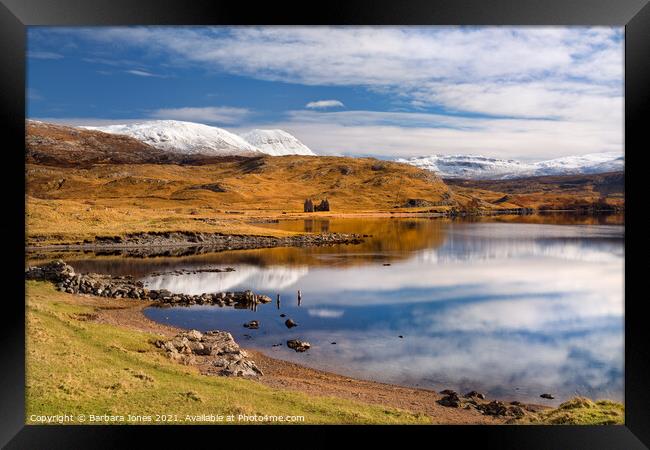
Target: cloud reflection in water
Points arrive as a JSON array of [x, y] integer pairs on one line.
[[512, 309]]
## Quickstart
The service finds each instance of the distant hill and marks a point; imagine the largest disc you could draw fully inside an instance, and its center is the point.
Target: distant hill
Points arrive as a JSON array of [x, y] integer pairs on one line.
[[189, 138], [184, 137], [86, 181], [60, 145], [264, 183], [486, 168], [276, 143], [590, 191]]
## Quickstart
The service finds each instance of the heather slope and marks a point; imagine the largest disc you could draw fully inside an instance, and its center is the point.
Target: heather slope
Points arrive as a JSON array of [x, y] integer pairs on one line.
[[73, 203]]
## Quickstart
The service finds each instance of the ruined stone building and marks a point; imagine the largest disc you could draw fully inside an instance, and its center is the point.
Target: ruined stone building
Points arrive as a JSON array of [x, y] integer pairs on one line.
[[324, 205]]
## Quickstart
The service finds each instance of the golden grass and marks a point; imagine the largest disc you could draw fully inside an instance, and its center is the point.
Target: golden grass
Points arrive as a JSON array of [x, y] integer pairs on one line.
[[581, 411], [68, 204]]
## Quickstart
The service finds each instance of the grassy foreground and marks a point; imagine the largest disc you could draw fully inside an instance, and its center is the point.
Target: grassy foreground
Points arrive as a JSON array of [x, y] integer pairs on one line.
[[81, 368], [78, 367], [581, 411]]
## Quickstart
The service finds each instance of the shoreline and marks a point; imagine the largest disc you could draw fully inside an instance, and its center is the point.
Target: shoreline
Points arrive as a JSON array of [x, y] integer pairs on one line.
[[160, 241], [191, 239], [120, 302], [285, 375], [126, 313]]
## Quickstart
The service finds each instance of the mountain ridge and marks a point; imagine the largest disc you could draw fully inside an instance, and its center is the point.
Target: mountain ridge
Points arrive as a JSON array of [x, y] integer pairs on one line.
[[183, 137], [191, 138], [481, 167], [276, 142]]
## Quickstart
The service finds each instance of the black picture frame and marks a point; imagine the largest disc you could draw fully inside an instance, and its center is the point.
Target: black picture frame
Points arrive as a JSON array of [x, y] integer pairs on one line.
[[16, 15]]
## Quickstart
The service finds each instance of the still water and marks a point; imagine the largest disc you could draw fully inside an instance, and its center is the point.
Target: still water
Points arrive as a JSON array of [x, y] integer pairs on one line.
[[510, 308]]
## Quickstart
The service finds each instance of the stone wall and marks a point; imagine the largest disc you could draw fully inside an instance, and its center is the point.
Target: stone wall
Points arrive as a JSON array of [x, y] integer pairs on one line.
[[66, 280]]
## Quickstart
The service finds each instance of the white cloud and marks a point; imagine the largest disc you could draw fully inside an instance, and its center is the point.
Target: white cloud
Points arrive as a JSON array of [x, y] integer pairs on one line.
[[324, 104], [142, 73], [209, 114], [325, 313], [405, 134], [385, 56], [85, 121], [44, 55], [525, 92]]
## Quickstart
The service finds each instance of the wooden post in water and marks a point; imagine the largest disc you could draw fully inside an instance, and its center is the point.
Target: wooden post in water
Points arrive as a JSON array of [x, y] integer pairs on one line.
[[299, 297], [277, 302]]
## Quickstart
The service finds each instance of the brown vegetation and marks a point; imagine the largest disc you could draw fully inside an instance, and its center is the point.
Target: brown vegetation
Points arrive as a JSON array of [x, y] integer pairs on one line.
[[597, 192], [82, 184]]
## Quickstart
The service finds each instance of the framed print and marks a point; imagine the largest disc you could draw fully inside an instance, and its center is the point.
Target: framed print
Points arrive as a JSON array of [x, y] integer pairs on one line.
[[368, 214]]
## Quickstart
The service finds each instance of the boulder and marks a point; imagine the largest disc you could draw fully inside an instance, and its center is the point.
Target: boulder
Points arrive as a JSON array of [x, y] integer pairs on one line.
[[474, 394], [194, 335], [450, 400], [253, 325], [55, 271], [298, 346], [217, 348], [497, 408]]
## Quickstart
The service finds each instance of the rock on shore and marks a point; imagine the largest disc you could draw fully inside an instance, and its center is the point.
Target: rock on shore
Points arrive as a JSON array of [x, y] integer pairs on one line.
[[476, 400], [66, 280], [216, 241], [216, 350]]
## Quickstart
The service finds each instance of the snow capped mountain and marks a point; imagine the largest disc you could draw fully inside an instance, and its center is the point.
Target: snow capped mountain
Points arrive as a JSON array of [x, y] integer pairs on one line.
[[591, 163], [194, 138], [481, 167], [184, 137], [276, 142]]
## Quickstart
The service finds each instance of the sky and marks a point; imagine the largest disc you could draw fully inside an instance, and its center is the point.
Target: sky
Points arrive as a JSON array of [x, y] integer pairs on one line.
[[527, 93]]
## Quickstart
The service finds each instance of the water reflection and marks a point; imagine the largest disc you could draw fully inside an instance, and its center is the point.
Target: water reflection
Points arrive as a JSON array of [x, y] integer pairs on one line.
[[512, 308]]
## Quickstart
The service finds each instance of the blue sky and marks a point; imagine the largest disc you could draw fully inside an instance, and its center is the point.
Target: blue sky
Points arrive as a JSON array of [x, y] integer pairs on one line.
[[527, 93]]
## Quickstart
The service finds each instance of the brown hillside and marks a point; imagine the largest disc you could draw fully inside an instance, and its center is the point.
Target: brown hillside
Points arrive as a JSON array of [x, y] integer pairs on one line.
[[84, 183], [263, 183], [594, 191], [64, 146], [68, 203]]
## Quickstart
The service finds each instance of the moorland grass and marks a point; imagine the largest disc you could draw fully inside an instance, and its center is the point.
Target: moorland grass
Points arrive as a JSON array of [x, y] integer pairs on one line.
[[85, 367]]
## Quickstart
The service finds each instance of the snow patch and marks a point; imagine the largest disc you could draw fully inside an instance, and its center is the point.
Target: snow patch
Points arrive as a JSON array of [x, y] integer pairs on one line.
[[276, 143], [482, 167]]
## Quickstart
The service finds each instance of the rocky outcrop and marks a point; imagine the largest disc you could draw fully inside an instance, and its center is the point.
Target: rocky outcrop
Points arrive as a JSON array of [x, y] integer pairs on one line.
[[451, 400], [474, 394], [497, 408], [476, 400], [55, 271], [66, 280], [216, 352], [215, 241], [419, 203]]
